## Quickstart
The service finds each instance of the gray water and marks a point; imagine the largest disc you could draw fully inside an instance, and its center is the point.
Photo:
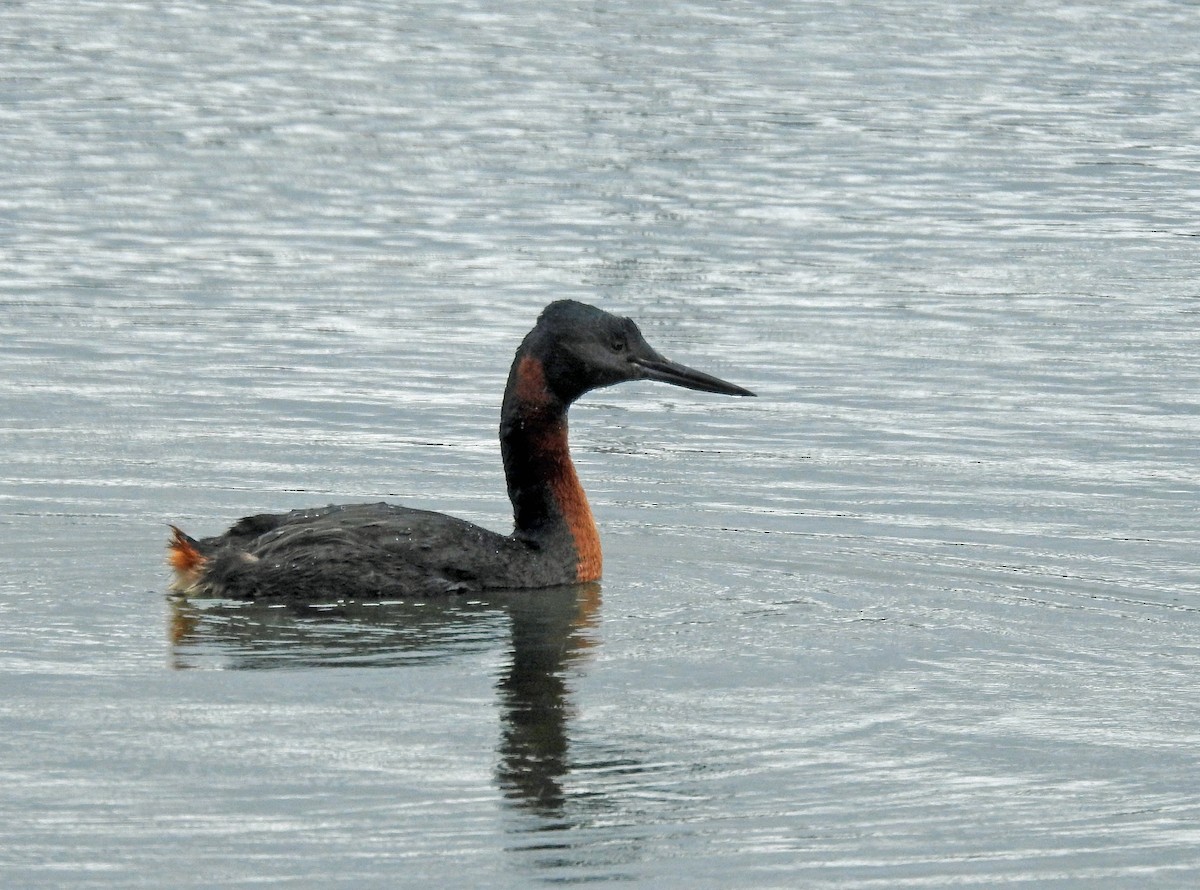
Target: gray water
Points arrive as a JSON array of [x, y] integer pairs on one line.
[[922, 614]]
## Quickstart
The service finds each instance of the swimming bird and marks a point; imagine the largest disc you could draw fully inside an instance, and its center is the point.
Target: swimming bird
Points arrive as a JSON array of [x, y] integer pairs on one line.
[[384, 550]]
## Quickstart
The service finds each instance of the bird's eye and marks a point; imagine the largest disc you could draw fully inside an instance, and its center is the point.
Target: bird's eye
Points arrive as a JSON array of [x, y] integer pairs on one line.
[[619, 344]]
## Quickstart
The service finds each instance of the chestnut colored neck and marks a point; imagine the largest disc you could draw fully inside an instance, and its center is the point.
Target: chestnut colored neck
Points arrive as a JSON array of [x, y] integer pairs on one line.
[[544, 489]]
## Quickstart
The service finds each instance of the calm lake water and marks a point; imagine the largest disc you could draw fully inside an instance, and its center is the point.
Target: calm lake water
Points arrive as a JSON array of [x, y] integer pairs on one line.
[[922, 614]]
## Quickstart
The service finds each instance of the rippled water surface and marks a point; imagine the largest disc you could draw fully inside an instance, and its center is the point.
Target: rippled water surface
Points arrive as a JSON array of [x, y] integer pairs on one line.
[[922, 614]]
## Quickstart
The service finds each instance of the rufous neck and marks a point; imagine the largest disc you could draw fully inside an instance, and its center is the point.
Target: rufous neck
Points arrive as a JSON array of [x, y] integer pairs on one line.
[[543, 486]]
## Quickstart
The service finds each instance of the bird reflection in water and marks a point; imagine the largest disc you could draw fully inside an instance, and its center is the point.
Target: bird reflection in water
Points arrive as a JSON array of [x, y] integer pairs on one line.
[[550, 631], [534, 695]]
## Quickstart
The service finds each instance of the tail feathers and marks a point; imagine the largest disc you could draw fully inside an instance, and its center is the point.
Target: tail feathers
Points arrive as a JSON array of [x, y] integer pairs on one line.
[[185, 558]]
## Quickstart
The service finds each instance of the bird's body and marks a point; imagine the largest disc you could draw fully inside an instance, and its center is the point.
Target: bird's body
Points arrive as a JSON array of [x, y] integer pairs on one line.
[[384, 550], [370, 550]]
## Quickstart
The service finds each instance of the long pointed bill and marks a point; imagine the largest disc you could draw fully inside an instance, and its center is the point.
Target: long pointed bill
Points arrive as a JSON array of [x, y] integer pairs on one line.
[[667, 371]]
